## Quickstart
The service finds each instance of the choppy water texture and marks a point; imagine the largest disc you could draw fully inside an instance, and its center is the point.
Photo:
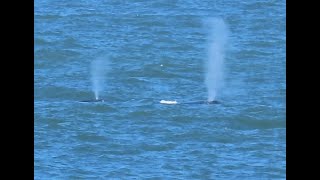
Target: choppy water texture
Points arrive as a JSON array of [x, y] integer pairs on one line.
[[156, 50]]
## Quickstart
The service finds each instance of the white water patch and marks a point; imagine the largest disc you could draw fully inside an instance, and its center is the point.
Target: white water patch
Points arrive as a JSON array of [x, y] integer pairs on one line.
[[168, 102]]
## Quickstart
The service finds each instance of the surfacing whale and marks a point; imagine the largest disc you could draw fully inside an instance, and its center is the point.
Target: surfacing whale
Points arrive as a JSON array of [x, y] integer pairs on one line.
[[93, 100], [201, 102]]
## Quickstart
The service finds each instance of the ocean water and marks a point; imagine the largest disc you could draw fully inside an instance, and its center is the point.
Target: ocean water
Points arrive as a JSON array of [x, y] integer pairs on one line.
[[156, 50]]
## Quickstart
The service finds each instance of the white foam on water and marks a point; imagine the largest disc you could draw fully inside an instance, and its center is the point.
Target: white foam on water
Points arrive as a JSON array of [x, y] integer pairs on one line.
[[168, 102]]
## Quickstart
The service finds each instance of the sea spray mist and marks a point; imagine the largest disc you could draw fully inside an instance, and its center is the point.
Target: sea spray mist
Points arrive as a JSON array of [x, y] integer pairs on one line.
[[99, 67], [217, 41]]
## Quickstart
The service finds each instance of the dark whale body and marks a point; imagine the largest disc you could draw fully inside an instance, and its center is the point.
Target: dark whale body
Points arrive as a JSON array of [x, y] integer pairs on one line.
[[94, 100], [201, 102]]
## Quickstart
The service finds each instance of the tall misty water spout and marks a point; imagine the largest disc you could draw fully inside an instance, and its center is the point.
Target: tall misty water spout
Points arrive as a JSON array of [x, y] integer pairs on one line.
[[217, 41], [98, 75]]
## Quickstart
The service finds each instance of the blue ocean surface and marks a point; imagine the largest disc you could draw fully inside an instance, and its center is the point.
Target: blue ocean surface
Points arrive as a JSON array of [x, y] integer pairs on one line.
[[152, 51]]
